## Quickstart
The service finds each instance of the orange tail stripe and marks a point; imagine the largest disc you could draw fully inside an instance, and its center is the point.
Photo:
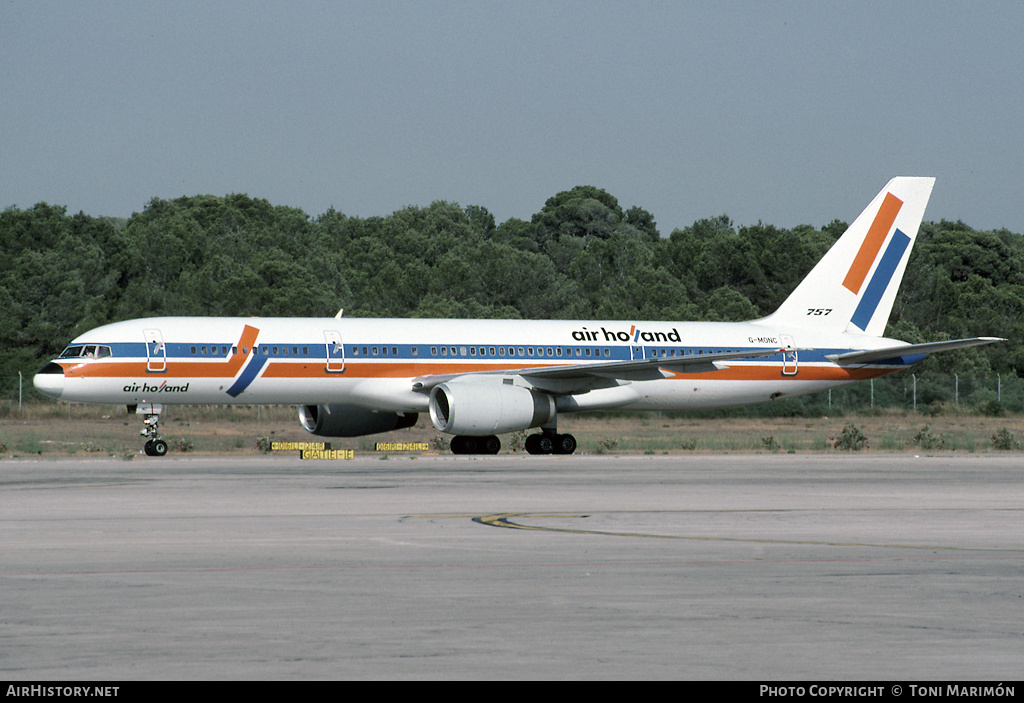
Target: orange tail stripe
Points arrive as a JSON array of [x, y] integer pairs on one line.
[[872, 243]]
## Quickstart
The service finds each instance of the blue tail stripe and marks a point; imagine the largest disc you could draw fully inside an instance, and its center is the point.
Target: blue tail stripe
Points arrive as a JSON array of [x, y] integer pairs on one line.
[[880, 280]]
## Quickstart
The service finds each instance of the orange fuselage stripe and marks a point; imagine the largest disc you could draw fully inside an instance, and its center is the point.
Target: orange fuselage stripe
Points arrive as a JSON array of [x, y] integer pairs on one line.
[[227, 370]]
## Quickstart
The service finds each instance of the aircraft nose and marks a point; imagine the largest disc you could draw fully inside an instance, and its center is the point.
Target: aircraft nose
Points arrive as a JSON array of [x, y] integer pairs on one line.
[[50, 380]]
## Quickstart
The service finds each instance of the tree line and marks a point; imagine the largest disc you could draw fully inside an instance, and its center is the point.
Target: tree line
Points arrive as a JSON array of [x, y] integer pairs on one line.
[[581, 257]]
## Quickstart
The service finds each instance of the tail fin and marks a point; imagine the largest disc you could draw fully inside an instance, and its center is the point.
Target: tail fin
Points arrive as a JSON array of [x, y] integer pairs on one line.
[[853, 287]]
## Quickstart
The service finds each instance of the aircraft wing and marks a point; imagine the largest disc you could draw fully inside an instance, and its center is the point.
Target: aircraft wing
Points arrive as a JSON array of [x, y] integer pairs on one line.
[[579, 378], [869, 355]]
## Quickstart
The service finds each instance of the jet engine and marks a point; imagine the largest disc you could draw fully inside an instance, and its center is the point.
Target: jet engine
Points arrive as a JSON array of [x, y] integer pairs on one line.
[[350, 421], [486, 406]]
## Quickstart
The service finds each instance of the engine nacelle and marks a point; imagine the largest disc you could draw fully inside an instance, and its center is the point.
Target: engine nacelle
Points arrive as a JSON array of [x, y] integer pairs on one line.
[[486, 406], [350, 421]]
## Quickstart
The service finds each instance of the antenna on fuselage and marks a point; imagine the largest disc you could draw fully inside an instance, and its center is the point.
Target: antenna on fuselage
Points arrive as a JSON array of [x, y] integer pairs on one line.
[[340, 313]]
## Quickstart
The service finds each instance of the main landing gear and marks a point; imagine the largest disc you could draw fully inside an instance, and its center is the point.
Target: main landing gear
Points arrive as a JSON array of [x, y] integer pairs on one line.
[[546, 442], [155, 446], [550, 442], [465, 444]]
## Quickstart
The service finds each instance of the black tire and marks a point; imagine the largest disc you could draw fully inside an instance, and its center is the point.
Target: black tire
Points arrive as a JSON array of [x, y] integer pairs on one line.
[[545, 443], [148, 448], [531, 444], [565, 444], [491, 445], [467, 444], [456, 445], [159, 447]]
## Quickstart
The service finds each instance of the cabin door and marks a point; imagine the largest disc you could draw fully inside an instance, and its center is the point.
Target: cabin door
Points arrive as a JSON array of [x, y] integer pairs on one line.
[[156, 352], [790, 357], [335, 352]]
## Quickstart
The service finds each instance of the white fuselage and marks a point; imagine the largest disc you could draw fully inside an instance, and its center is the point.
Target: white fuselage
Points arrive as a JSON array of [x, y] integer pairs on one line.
[[374, 363]]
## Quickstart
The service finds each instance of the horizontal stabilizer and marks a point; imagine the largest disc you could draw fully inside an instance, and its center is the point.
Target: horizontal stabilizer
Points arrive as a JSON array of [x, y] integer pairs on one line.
[[869, 355]]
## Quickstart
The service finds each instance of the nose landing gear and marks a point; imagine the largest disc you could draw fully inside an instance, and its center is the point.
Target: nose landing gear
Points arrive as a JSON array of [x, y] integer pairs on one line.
[[155, 446]]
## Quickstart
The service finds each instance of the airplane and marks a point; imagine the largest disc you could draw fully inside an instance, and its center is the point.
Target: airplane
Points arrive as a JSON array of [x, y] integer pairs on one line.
[[481, 378]]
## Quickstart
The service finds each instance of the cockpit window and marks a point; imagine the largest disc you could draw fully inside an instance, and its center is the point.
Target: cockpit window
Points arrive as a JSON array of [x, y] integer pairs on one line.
[[86, 351]]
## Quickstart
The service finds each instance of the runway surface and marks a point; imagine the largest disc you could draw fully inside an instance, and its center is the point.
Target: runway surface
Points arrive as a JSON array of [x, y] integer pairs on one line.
[[765, 566]]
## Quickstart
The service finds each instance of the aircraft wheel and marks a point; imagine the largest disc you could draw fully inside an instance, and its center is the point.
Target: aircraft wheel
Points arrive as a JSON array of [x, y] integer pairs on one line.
[[531, 444], [468, 444], [456, 445], [492, 445], [148, 448], [159, 447], [539, 444], [565, 444], [546, 443]]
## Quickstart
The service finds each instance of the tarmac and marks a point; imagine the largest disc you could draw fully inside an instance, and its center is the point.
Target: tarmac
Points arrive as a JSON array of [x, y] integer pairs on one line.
[[726, 567]]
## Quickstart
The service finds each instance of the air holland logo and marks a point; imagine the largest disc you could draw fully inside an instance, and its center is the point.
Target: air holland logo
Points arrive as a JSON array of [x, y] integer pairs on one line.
[[634, 335], [162, 388], [866, 256]]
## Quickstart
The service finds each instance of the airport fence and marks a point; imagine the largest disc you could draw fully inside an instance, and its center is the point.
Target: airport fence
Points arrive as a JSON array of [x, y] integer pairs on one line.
[[928, 394]]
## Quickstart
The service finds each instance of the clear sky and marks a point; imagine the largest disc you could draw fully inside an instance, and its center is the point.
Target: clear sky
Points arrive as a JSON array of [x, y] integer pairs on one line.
[[783, 112]]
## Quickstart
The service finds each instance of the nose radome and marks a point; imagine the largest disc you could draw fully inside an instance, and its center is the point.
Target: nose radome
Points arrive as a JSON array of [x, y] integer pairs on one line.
[[50, 380]]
